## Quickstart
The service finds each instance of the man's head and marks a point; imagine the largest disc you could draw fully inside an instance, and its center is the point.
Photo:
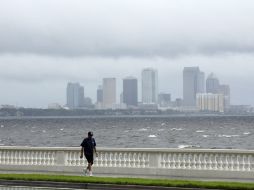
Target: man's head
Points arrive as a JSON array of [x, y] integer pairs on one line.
[[90, 134]]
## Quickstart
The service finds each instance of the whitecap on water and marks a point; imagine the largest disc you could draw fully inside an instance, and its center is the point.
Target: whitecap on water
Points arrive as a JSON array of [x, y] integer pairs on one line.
[[181, 146], [200, 131], [246, 133], [205, 136], [43, 131], [2, 126], [152, 136], [61, 129], [163, 124], [142, 129], [176, 129], [228, 136]]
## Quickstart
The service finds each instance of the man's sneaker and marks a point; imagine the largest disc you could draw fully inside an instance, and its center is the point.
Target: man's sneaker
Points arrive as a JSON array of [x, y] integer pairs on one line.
[[86, 172], [90, 174]]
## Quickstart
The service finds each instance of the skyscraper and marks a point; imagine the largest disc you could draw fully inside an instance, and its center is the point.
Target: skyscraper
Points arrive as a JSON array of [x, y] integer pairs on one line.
[[212, 84], [99, 94], [164, 99], [193, 83], [75, 95], [130, 91], [149, 86], [225, 90], [109, 92]]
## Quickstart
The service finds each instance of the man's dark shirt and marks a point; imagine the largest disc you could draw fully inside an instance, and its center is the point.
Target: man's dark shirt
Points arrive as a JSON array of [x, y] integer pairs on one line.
[[88, 144]]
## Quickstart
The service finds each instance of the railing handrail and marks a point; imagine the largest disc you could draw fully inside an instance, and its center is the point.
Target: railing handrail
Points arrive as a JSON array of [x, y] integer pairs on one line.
[[157, 150]]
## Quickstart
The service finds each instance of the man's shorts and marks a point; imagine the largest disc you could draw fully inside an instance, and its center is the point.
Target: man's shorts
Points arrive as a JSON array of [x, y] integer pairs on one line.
[[89, 158]]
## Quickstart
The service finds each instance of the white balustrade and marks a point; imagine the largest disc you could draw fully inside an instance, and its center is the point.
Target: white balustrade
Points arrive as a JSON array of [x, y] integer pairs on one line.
[[153, 162]]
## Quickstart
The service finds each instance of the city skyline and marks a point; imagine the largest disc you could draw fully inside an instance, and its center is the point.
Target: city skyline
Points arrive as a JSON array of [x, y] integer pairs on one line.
[[118, 89], [45, 44]]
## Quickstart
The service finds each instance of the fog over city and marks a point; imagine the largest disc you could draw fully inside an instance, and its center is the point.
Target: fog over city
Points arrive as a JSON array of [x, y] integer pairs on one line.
[[45, 44]]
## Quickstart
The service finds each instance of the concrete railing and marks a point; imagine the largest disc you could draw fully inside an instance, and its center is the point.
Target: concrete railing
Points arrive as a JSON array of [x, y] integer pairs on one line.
[[132, 162]]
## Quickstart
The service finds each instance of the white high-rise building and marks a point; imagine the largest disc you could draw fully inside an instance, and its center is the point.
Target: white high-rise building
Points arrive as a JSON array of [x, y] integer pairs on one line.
[[149, 86], [109, 93], [210, 102], [75, 95]]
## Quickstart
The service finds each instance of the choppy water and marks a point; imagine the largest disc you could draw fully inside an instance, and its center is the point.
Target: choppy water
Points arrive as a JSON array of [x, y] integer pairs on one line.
[[132, 132]]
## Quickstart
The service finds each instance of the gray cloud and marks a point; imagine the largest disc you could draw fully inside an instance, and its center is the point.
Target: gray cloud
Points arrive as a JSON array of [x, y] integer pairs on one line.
[[131, 28], [44, 44]]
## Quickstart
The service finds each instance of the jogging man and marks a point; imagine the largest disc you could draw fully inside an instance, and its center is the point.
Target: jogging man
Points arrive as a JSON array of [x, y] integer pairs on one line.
[[88, 147]]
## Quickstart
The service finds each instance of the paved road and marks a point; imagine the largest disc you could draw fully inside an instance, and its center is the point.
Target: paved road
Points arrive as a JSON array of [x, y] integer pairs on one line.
[[88, 186]]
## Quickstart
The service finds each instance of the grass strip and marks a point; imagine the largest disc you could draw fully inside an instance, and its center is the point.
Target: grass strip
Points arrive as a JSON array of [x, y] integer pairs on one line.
[[131, 181]]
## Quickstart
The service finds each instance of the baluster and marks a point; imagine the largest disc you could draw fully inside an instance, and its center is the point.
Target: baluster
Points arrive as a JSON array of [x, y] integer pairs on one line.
[[117, 159], [3, 157], [243, 162], [195, 161], [107, 159], [162, 161], [100, 163], [190, 160], [249, 163], [138, 160], [237, 163], [19, 158], [143, 160], [39, 158], [77, 160], [110, 159], [134, 159], [174, 161], [27, 158], [14, 157], [252, 163], [233, 162], [168, 160], [44, 158], [8, 158], [4, 160], [180, 158], [52, 158], [128, 161], [147, 159], [33, 160]]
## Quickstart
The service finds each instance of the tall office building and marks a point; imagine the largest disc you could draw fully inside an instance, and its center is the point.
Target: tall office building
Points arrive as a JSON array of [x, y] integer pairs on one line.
[[149, 86], [164, 99], [75, 95], [109, 92], [130, 91], [99, 94], [225, 90], [193, 83], [212, 84], [201, 82]]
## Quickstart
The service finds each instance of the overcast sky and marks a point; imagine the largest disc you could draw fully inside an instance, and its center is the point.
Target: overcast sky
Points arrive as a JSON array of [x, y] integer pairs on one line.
[[46, 43]]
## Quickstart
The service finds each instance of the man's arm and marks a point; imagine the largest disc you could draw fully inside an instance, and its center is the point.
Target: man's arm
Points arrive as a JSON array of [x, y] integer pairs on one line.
[[95, 148], [81, 152]]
